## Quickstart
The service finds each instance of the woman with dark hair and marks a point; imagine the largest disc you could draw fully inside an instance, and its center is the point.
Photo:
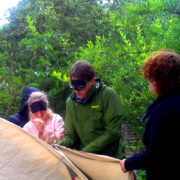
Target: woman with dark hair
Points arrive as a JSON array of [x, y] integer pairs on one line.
[[161, 137]]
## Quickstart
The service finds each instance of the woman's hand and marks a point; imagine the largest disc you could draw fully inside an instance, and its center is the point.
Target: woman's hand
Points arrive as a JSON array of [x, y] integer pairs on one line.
[[39, 123], [122, 164]]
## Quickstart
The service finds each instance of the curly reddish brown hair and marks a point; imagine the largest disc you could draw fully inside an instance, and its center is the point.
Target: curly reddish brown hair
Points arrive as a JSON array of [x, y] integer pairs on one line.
[[163, 68]]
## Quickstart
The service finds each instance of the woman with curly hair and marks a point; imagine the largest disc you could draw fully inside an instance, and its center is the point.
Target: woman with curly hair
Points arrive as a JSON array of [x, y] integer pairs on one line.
[[43, 122], [161, 137]]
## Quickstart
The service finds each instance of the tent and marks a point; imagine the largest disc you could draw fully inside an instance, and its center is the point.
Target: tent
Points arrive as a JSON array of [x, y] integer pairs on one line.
[[26, 157]]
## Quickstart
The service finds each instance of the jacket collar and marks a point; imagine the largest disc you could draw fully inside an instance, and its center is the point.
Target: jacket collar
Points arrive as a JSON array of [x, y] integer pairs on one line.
[[95, 88]]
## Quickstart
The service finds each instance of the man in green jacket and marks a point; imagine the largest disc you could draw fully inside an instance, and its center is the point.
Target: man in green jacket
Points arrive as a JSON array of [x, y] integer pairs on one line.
[[93, 114]]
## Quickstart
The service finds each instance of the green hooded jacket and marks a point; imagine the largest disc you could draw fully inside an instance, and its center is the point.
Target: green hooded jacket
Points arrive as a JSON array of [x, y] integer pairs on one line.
[[94, 125]]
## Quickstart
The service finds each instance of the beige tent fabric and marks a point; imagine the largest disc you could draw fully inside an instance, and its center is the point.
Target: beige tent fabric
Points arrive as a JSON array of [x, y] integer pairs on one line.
[[97, 167], [26, 157]]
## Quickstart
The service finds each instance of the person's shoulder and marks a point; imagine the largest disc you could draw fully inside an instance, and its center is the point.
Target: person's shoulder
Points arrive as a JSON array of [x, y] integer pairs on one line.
[[169, 104], [173, 99], [106, 90], [14, 118], [57, 120], [28, 125], [57, 117], [70, 97]]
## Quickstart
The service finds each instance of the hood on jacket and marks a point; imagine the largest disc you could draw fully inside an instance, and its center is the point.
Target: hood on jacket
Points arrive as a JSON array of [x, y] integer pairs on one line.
[[22, 117], [25, 96]]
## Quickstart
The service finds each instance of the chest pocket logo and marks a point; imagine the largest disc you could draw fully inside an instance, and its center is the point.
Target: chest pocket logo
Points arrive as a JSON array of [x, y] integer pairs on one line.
[[95, 107]]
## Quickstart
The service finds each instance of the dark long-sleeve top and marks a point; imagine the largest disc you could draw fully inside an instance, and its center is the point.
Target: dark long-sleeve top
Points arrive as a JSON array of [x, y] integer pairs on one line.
[[161, 139]]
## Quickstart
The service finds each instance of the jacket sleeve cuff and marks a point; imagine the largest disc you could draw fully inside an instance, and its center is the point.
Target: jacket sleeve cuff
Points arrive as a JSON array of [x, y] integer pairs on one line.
[[129, 164]]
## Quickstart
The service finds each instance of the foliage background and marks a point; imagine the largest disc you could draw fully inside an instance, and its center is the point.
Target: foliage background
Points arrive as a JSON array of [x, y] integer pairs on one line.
[[44, 38]]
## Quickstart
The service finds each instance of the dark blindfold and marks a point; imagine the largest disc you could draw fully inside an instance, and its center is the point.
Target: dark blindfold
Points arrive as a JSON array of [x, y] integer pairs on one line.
[[38, 106], [78, 84]]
